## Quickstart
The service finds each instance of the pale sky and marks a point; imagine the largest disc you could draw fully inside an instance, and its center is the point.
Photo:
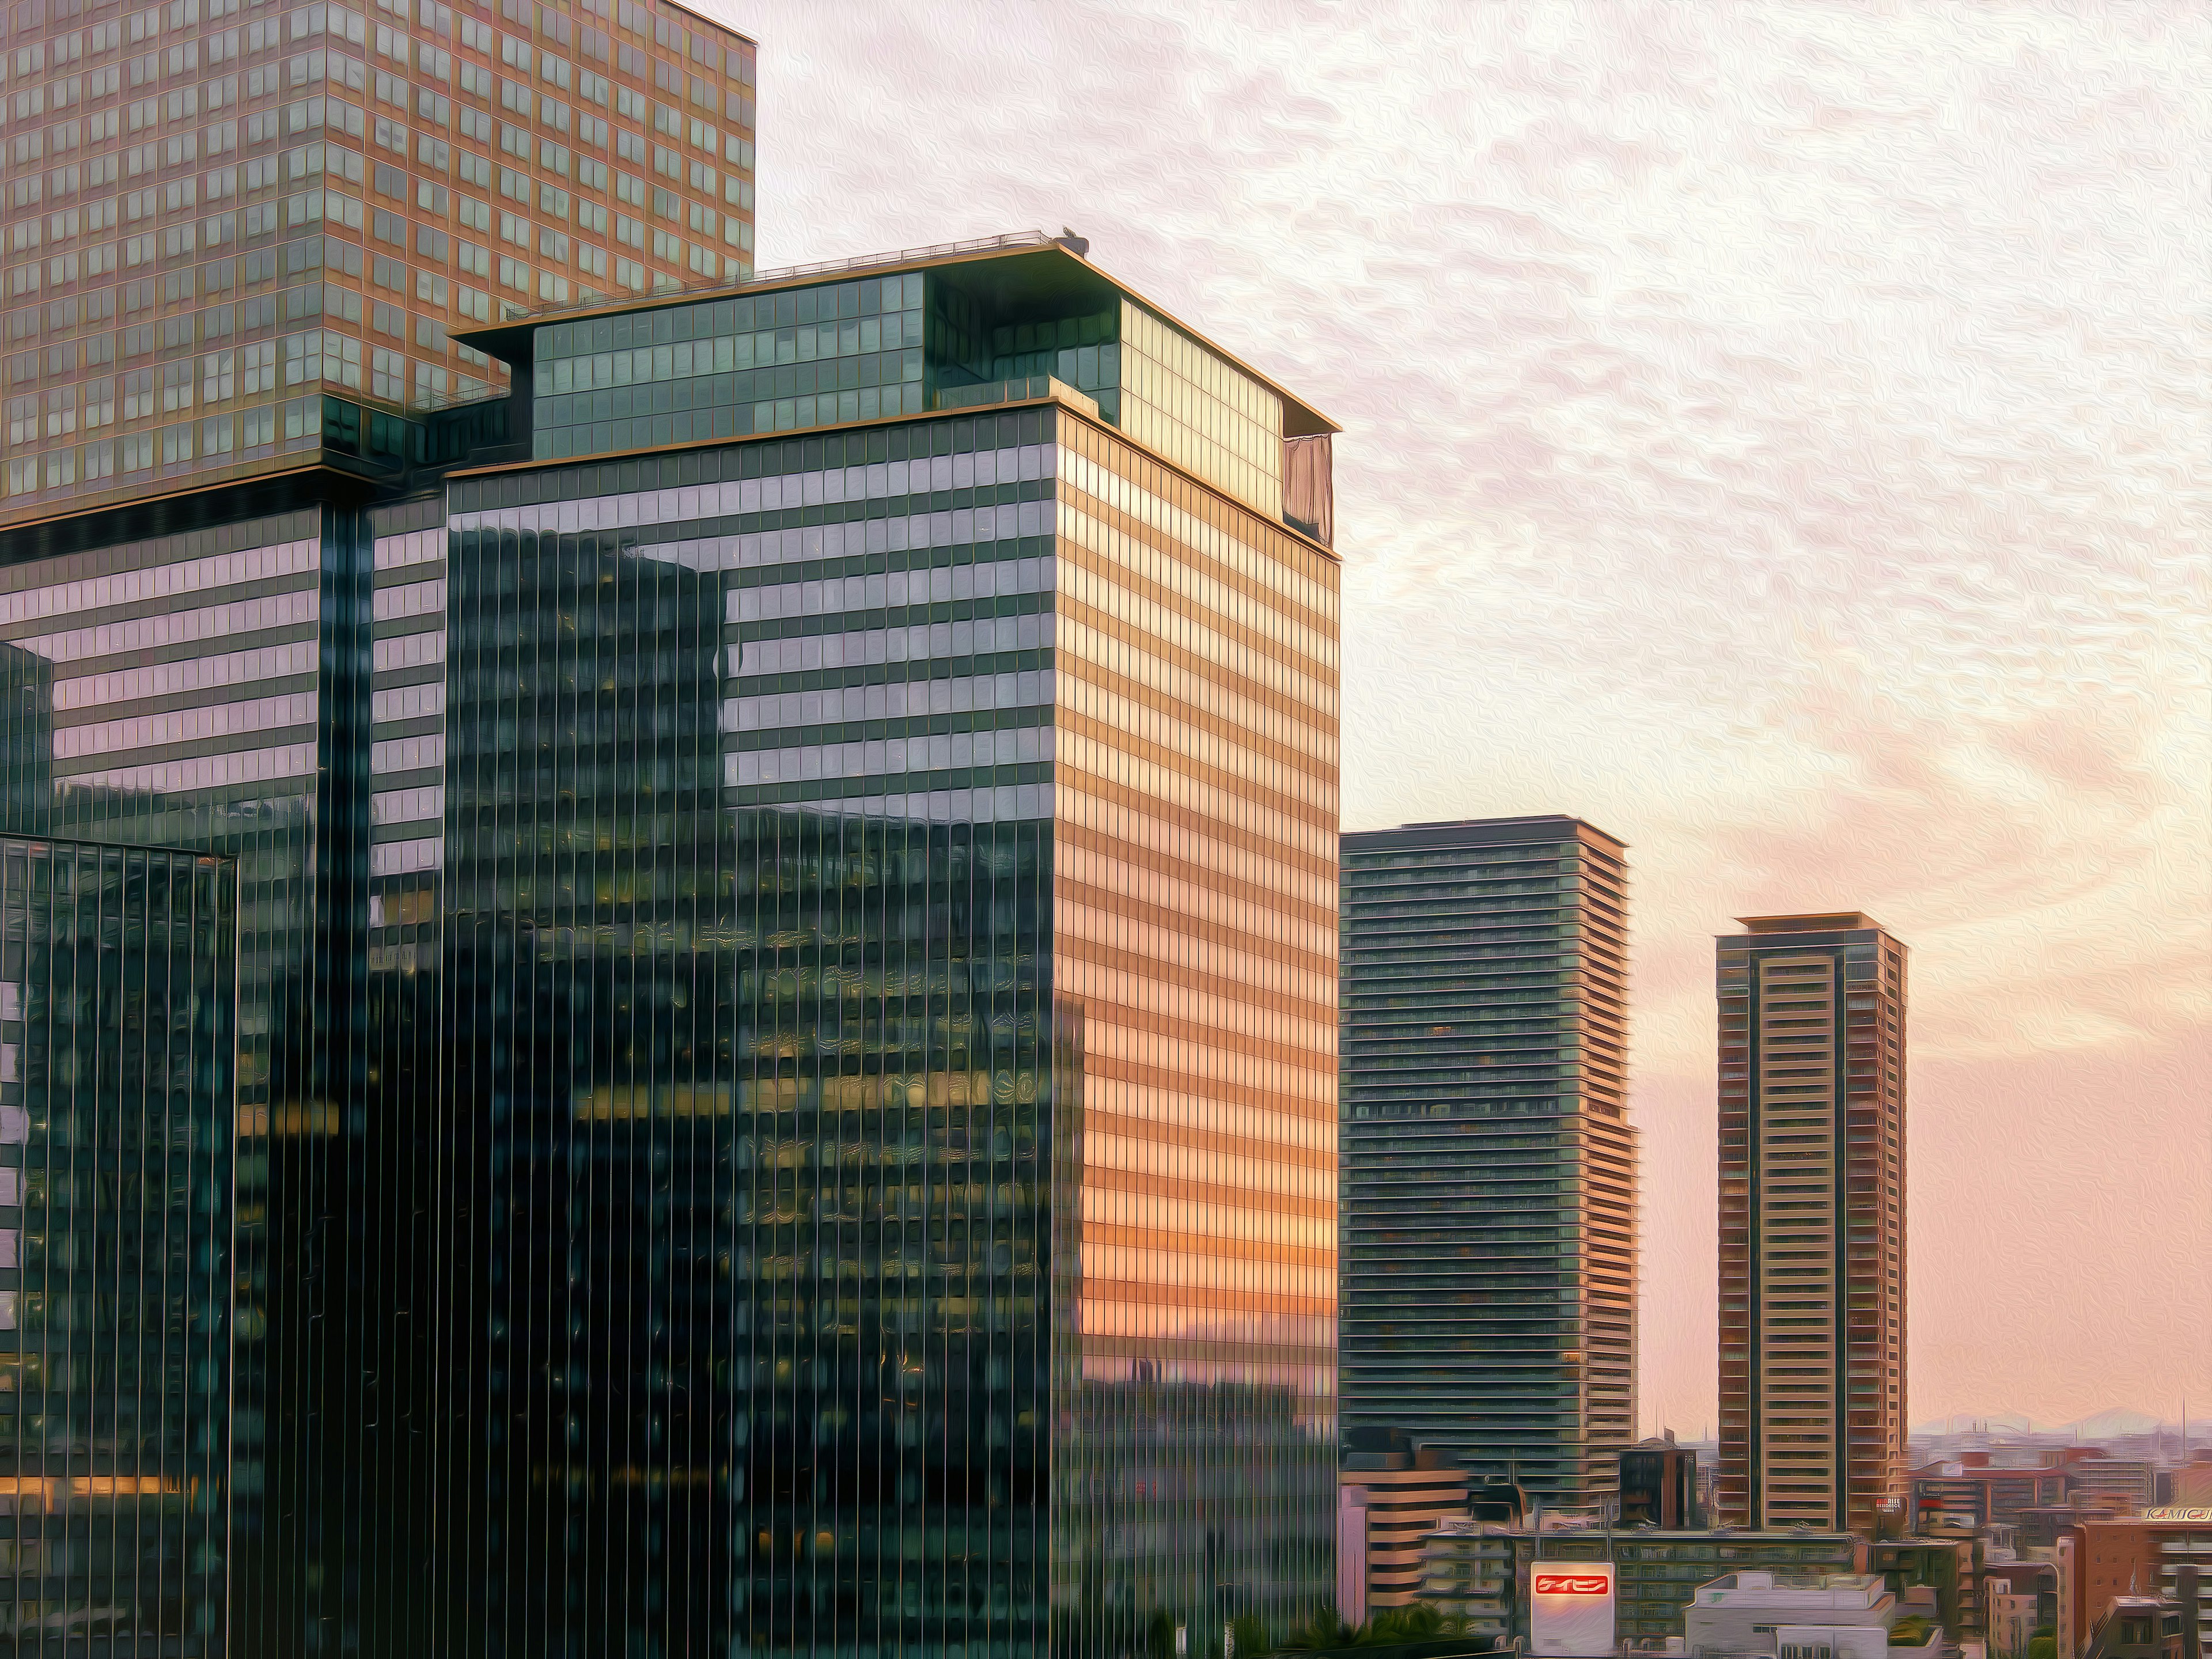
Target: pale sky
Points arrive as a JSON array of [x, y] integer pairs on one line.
[[1778, 435]]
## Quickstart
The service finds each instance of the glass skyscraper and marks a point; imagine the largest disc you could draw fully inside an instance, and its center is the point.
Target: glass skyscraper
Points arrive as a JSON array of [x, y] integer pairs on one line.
[[117, 1091], [785, 861], [887, 902], [238, 241], [238, 237], [1489, 1204]]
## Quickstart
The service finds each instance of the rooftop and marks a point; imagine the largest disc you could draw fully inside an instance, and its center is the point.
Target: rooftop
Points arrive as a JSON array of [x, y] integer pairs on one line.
[[1827, 1591], [1019, 267], [1823, 921], [1534, 829]]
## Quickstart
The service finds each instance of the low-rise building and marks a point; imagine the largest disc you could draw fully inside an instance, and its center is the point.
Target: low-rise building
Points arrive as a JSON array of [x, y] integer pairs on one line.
[[1948, 1566], [1467, 1573], [1401, 1493], [2125, 1485], [1971, 1490], [1790, 1616], [1657, 1573], [2136, 1556], [2008, 1619]]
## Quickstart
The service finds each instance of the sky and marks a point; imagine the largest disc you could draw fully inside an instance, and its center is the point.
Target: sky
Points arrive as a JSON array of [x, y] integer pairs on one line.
[[1777, 434]]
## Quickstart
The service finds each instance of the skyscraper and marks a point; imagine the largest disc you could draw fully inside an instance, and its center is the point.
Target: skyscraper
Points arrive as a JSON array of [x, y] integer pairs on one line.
[[1489, 1167], [237, 242], [1812, 1221], [887, 897], [240, 237], [786, 865], [116, 1092]]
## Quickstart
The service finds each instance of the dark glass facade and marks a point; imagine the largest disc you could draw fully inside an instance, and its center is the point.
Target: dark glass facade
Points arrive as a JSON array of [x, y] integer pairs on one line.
[[1489, 1294], [210, 690], [117, 1097], [786, 1084], [893, 1005]]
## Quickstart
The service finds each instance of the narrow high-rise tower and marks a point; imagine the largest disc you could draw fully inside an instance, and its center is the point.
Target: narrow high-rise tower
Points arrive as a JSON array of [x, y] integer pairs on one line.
[[1488, 1303], [1812, 1221]]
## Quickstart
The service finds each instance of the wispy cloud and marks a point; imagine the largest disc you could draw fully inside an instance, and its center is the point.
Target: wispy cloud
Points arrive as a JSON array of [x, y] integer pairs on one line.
[[1777, 432]]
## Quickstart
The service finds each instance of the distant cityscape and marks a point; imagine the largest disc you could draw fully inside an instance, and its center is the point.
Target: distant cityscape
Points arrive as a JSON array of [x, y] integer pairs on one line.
[[678, 975], [1478, 1099]]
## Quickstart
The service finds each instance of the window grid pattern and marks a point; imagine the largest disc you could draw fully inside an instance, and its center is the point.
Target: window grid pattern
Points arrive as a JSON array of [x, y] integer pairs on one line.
[[325, 1425], [214, 212], [1193, 927], [1812, 1082], [811, 356], [117, 1091], [808, 1026], [1490, 1170]]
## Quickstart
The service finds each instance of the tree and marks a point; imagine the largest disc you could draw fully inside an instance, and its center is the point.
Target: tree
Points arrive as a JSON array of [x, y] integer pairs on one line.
[[1419, 1623], [1318, 1634], [1159, 1635], [1250, 1633]]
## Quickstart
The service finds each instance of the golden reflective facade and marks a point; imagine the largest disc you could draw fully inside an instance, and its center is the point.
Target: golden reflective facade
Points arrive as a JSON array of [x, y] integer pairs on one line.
[[235, 235], [1195, 933], [901, 1110]]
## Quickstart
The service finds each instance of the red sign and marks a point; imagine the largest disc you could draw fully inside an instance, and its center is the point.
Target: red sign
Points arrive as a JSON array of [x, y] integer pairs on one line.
[[1567, 1584]]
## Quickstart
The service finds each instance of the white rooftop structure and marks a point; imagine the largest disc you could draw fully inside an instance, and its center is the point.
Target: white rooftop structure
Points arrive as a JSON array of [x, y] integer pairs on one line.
[[1790, 1616]]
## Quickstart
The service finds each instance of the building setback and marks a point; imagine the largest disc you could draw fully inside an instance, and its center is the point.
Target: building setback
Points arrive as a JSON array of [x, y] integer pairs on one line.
[[887, 886], [1489, 1279], [1812, 1222], [787, 990]]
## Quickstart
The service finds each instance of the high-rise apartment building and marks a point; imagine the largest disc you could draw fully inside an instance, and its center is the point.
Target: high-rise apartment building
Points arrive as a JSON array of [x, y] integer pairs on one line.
[[1812, 1221], [239, 238], [237, 242], [1489, 1167], [886, 881]]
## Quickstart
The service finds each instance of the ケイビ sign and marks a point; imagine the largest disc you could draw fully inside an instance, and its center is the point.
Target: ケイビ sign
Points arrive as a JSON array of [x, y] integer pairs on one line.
[[1571, 1609]]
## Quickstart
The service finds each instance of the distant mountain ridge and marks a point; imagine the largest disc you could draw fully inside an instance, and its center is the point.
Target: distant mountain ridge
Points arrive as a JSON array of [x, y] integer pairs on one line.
[[2114, 1423]]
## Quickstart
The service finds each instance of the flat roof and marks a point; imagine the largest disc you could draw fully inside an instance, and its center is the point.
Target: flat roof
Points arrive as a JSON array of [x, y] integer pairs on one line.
[[1821, 921], [1030, 269], [1532, 830]]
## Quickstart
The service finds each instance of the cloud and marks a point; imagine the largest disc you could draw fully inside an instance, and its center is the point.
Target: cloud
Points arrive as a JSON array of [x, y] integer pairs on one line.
[[1775, 432]]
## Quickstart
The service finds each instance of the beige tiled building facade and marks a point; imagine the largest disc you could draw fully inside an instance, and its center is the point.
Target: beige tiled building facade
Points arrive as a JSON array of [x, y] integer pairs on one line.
[[1812, 1222]]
